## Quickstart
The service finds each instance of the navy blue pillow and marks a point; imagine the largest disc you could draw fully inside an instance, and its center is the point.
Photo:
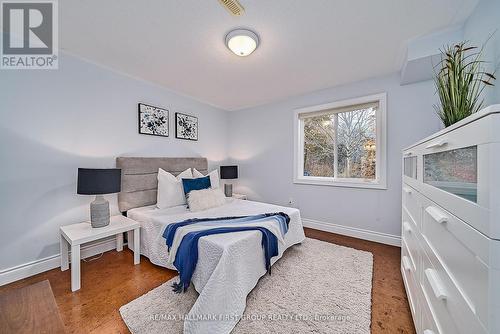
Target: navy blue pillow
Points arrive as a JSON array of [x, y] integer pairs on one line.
[[196, 184]]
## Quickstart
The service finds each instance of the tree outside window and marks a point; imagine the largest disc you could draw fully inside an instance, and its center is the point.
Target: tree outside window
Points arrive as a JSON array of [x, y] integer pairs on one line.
[[341, 144]]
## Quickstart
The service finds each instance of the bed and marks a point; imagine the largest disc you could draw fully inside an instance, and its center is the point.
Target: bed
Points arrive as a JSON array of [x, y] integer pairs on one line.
[[229, 265]]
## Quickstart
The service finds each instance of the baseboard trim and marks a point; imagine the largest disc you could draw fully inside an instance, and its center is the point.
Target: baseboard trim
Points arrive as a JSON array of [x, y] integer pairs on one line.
[[359, 233], [13, 274], [16, 273]]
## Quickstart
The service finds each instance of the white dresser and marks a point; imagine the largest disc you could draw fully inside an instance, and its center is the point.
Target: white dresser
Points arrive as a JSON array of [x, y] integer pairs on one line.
[[450, 253]]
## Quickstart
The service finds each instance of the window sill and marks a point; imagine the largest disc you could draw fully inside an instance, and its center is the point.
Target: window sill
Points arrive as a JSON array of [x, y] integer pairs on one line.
[[344, 184]]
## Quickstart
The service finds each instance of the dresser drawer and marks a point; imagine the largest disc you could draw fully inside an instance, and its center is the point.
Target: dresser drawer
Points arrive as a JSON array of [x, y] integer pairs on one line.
[[451, 311], [410, 236], [411, 202], [408, 271], [463, 251], [428, 324]]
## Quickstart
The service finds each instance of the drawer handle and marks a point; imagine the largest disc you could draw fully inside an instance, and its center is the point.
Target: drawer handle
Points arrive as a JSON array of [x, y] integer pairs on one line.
[[407, 190], [429, 331], [437, 144], [406, 263], [435, 282], [406, 227], [437, 214]]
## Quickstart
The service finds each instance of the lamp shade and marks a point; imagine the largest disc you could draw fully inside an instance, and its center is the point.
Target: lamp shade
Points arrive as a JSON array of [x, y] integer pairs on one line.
[[99, 181], [228, 172]]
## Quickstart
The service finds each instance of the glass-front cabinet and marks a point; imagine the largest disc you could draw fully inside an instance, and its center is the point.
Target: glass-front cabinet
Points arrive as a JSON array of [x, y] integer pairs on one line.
[[410, 166], [458, 169], [454, 171], [450, 201]]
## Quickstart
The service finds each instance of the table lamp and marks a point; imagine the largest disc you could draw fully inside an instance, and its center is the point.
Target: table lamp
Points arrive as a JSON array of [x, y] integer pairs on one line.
[[99, 182], [228, 173]]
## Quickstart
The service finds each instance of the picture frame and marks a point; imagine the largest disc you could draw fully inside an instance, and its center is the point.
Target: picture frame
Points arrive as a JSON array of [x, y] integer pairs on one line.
[[186, 127], [153, 121]]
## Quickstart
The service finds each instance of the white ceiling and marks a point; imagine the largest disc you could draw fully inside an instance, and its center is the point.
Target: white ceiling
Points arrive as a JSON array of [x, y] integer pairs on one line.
[[305, 45]]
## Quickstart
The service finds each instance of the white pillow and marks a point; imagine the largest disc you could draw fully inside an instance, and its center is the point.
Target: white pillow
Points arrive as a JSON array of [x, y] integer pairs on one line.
[[199, 200], [214, 177], [170, 190]]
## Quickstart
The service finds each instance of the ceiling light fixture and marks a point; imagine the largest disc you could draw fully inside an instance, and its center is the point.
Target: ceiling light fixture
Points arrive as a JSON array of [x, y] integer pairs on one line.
[[242, 42]]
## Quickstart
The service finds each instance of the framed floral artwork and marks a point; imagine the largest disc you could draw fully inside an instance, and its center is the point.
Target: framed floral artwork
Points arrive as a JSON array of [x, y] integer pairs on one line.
[[153, 120], [186, 126]]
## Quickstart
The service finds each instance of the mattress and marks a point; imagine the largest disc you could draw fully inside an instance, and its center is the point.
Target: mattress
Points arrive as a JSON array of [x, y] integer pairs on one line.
[[229, 265]]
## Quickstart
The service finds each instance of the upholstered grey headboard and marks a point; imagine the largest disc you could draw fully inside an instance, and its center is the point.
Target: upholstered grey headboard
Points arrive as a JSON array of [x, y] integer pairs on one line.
[[139, 177]]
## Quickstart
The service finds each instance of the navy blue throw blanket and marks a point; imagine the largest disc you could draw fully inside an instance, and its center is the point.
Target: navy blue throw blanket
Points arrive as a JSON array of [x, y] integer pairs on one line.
[[186, 257], [169, 232]]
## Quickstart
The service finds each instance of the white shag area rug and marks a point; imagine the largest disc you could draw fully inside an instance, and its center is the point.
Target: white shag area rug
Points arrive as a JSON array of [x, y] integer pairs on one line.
[[316, 287]]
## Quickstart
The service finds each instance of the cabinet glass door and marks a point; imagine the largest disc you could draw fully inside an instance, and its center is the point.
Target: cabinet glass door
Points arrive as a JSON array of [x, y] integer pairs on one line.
[[410, 167], [454, 171]]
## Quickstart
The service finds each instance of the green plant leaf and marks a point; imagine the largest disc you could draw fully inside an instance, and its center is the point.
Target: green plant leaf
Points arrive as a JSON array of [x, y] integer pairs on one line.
[[460, 79]]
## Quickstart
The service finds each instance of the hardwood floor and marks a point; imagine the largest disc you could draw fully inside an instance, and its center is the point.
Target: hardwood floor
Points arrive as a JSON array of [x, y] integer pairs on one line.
[[390, 308], [112, 281], [30, 309]]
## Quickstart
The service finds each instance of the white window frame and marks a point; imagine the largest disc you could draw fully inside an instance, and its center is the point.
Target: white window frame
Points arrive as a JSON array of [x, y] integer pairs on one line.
[[380, 181]]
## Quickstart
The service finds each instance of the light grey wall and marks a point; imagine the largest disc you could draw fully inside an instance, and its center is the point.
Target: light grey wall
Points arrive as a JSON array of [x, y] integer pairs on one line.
[[483, 23], [262, 146], [82, 115]]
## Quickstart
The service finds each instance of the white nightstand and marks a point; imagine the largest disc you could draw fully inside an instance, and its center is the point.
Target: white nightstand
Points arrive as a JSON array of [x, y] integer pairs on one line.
[[239, 196], [77, 234]]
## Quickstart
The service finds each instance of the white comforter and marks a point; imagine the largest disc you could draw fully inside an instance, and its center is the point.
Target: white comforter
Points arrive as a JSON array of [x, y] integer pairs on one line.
[[229, 265]]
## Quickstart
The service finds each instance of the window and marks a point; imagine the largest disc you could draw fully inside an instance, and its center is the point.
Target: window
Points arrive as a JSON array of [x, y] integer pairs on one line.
[[342, 143]]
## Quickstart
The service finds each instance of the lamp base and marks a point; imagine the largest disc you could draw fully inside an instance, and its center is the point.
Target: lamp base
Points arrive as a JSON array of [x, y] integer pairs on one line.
[[99, 212], [228, 190]]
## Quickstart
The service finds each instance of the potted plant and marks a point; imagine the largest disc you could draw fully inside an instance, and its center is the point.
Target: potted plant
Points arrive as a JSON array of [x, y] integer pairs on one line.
[[460, 79]]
